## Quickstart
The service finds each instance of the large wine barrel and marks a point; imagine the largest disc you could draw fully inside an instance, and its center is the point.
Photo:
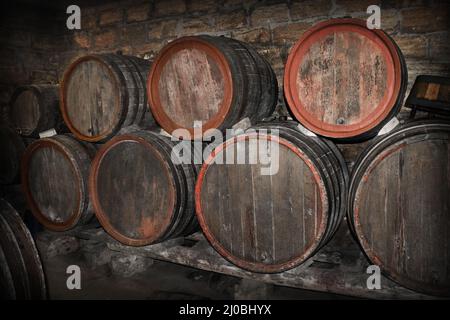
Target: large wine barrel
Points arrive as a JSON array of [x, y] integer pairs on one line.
[[216, 80], [345, 81], [151, 202], [55, 174], [21, 274], [399, 205], [11, 149], [100, 94], [35, 108], [270, 222]]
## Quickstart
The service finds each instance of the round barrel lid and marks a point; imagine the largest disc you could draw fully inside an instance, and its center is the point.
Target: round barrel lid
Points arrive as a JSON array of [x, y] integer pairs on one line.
[[342, 79], [91, 98], [135, 206], [189, 81], [261, 221]]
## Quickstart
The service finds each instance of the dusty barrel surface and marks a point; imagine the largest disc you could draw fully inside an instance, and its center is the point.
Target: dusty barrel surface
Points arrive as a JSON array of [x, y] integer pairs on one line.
[[100, 94], [215, 80], [151, 202], [270, 222], [55, 174], [35, 108], [21, 273], [11, 149], [399, 205], [343, 80]]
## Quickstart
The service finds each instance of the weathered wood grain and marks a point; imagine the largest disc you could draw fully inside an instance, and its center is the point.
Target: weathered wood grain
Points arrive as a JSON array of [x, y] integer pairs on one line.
[[400, 206], [343, 80], [100, 94], [150, 203], [214, 80], [54, 176], [270, 223]]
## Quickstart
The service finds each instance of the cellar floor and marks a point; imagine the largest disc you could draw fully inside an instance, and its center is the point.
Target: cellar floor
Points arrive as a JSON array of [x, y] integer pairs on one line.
[[161, 280]]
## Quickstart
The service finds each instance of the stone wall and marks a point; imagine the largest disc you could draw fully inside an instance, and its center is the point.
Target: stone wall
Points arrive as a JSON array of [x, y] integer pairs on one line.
[[37, 46]]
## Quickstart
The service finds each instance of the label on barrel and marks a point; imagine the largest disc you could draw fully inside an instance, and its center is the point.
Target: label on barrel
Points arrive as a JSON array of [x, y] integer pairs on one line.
[[305, 131], [48, 133], [388, 127]]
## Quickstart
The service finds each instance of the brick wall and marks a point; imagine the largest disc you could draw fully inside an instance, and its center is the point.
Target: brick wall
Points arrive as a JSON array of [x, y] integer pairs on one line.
[[37, 47]]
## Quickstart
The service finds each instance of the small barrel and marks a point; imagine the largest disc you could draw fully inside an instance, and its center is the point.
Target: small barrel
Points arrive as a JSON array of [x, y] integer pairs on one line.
[[21, 273], [55, 174], [34, 109], [345, 81], [151, 202], [268, 199], [215, 81], [100, 94], [11, 149], [399, 205]]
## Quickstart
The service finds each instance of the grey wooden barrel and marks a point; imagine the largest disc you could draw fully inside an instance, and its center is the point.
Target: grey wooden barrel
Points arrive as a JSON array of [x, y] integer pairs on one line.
[[21, 273], [35, 108], [274, 220], [54, 175], [102, 93], [399, 205], [151, 202], [216, 81]]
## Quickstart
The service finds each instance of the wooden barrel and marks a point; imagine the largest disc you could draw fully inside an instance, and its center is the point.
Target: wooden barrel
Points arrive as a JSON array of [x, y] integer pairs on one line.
[[21, 273], [151, 202], [216, 80], [270, 222], [345, 81], [102, 93], [35, 108], [11, 149], [55, 174], [399, 205]]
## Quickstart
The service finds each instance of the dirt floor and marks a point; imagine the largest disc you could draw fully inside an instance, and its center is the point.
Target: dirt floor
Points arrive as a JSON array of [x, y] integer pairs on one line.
[[160, 280]]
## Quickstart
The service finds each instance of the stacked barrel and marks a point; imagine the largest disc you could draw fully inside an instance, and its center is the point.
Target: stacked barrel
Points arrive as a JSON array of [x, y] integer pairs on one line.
[[271, 195], [21, 273], [273, 214]]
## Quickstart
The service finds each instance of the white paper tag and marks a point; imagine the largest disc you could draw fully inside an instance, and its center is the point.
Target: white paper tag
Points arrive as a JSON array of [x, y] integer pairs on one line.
[[243, 125], [164, 133], [47, 133], [305, 131], [388, 127]]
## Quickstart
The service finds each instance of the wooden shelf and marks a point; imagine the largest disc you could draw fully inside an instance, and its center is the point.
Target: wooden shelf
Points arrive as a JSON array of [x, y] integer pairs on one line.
[[339, 267]]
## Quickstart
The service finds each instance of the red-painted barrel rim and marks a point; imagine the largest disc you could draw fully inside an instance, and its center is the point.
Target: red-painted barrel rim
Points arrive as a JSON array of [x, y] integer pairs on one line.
[[154, 100], [394, 78], [102, 216], [257, 266], [63, 103], [63, 150]]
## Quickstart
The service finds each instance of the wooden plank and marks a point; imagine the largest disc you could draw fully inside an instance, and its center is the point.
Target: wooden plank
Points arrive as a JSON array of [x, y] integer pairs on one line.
[[338, 268]]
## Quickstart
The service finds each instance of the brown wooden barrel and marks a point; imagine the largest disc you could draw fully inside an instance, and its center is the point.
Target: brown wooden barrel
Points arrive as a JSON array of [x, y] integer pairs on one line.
[[35, 108], [11, 149], [21, 273], [399, 205], [215, 80], [140, 194], [102, 93], [55, 174], [271, 222], [343, 80]]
